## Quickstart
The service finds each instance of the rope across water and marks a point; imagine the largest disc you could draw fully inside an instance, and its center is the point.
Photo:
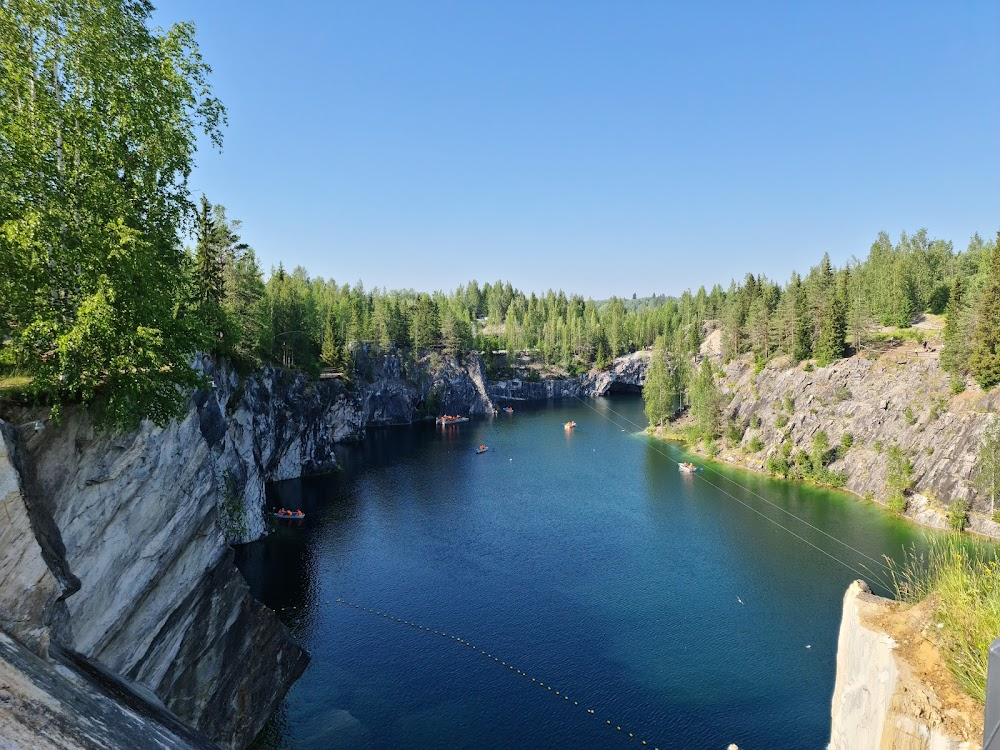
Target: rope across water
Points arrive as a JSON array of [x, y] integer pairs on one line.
[[488, 655], [877, 575]]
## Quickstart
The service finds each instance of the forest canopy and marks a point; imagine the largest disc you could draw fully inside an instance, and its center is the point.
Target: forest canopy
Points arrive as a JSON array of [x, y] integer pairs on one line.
[[101, 303]]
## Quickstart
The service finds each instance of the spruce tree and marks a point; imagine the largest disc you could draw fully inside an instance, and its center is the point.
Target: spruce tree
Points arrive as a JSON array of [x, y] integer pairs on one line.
[[954, 352], [984, 362], [831, 344]]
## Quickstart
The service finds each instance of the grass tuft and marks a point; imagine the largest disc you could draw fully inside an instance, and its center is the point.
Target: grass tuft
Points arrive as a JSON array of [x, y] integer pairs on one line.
[[964, 576]]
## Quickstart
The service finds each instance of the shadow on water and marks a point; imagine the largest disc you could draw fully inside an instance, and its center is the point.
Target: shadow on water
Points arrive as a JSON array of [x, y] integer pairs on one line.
[[675, 606]]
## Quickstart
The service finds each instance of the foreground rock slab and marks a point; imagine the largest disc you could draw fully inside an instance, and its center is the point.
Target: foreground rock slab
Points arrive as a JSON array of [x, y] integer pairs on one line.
[[68, 704]]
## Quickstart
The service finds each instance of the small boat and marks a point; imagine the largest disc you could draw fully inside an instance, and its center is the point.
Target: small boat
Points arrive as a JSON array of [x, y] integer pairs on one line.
[[509, 409], [482, 449], [687, 468], [448, 419], [569, 425], [289, 515]]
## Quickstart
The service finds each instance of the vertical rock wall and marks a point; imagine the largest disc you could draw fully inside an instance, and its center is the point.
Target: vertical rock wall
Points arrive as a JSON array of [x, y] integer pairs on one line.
[[893, 690], [116, 545]]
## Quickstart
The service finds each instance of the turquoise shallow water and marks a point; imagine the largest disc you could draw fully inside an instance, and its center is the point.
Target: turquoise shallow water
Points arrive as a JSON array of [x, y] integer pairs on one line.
[[583, 559]]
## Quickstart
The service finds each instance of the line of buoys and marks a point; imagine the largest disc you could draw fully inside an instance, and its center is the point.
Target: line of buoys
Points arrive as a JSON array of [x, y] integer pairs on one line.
[[482, 652]]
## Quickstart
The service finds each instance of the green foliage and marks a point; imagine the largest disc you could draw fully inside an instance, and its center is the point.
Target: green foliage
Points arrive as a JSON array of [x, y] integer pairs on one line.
[[756, 445], [432, 403], [706, 401], [666, 380], [789, 403], [711, 447], [984, 361], [877, 446], [808, 367], [842, 393], [781, 420], [986, 472], [778, 465], [93, 283], [938, 408], [958, 515], [956, 384], [964, 577], [896, 503], [820, 451], [846, 441], [755, 422], [734, 433], [909, 416], [232, 512], [899, 479]]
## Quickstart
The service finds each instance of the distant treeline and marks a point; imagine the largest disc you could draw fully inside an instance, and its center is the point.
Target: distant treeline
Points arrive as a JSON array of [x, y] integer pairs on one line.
[[101, 303]]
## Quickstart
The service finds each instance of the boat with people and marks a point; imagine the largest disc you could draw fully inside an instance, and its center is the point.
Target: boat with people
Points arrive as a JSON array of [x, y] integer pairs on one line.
[[687, 467], [482, 449], [569, 425], [450, 419], [289, 515], [509, 409]]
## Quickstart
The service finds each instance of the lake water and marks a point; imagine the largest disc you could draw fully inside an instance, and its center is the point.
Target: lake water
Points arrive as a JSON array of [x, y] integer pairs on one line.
[[583, 559]]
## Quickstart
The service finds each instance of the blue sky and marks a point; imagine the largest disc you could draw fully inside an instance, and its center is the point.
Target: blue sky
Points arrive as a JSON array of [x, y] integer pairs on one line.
[[601, 148]]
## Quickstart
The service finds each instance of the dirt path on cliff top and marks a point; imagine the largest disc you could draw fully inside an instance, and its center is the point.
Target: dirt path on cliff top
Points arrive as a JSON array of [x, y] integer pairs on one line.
[[932, 692]]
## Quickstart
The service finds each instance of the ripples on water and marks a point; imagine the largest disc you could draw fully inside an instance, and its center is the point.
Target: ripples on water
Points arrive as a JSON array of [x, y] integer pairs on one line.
[[584, 559]]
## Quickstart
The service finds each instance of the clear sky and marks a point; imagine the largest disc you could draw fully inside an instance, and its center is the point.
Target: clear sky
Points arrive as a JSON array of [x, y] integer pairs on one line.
[[598, 147]]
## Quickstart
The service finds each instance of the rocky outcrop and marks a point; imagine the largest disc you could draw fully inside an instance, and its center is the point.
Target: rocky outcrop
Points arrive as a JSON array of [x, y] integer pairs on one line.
[[69, 703], [892, 689], [32, 559], [116, 545], [900, 398], [626, 374], [538, 390]]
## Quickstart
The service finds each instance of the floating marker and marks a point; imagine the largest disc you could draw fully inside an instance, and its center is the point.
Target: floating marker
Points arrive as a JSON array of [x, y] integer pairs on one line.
[[482, 652]]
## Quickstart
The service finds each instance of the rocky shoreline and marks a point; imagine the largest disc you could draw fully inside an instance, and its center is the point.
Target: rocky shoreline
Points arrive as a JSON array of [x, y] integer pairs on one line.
[[901, 397], [117, 546]]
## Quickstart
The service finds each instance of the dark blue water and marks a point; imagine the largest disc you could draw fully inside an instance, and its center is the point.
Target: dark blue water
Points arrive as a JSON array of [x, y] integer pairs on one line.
[[583, 559]]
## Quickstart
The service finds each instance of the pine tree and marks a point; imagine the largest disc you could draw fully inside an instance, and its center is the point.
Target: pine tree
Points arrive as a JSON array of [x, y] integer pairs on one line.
[[984, 362]]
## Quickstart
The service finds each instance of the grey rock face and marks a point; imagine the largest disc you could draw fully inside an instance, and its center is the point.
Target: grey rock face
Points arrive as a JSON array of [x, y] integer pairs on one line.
[[139, 524], [32, 563], [71, 704], [626, 373], [880, 403]]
